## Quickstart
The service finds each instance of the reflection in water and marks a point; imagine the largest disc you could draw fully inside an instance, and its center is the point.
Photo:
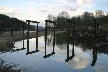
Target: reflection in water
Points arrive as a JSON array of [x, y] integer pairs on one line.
[[48, 40], [65, 46], [61, 41], [68, 41], [9, 67], [7, 48], [94, 56], [11, 48], [28, 52], [78, 62], [20, 48]]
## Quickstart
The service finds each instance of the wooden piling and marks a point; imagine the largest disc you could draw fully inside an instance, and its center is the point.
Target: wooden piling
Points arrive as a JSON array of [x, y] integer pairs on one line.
[[12, 28], [27, 46], [94, 57], [23, 29], [28, 27], [45, 34], [37, 37], [96, 31], [54, 37], [0, 26]]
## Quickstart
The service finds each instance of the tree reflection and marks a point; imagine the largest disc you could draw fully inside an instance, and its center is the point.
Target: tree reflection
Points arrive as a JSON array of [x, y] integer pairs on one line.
[[61, 41], [50, 39], [94, 47], [9, 67], [7, 48]]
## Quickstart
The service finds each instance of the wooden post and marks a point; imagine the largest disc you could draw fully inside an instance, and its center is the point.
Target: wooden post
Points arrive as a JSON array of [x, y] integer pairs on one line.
[[54, 38], [67, 48], [74, 31], [95, 30], [12, 28], [73, 48], [68, 44], [0, 27], [28, 27], [45, 36], [94, 57], [23, 29], [73, 38], [27, 46], [23, 42], [37, 37], [68, 35]]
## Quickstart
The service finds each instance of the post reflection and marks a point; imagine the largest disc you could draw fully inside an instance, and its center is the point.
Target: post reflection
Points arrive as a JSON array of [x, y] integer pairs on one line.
[[48, 55], [23, 46], [49, 40], [94, 56], [68, 41], [28, 52], [20, 48]]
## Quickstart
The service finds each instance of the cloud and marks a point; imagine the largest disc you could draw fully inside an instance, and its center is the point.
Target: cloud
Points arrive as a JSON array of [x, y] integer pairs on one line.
[[78, 62], [72, 0], [59, 1], [83, 2], [8, 11], [43, 10], [71, 8], [14, 13], [37, 10], [80, 2]]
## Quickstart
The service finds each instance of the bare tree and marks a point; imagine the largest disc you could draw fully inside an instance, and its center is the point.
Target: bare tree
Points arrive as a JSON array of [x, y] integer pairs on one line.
[[99, 13]]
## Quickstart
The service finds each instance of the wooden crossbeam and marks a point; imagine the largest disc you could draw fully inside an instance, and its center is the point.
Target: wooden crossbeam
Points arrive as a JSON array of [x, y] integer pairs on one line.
[[50, 21]]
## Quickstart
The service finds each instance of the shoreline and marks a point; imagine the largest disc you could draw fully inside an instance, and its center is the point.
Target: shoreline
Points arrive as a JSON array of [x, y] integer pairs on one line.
[[6, 38]]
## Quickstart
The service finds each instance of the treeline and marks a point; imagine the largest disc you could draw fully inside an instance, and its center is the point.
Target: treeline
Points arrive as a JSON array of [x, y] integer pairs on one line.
[[5, 22], [86, 19]]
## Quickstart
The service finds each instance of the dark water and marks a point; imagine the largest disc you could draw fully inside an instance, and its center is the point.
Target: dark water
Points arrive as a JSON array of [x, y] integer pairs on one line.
[[80, 57]]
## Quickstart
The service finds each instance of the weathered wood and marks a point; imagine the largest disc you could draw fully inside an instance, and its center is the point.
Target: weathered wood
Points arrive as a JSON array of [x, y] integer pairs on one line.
[[37, 38], [23, 29]]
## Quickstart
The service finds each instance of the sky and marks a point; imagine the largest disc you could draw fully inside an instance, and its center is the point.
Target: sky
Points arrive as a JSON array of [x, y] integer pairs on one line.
[[38, 10]]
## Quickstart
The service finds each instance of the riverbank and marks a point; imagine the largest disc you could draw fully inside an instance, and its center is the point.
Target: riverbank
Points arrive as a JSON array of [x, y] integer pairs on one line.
[[6, 39]]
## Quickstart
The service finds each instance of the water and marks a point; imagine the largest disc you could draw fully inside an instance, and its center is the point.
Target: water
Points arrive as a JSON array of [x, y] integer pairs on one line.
[[86, 59]]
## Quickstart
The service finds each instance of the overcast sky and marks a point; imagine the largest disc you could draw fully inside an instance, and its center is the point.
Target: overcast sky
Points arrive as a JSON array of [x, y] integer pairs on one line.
[[39, 9]]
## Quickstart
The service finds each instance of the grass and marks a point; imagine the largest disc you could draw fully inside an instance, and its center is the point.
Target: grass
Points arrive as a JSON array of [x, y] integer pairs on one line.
[[105, 25]]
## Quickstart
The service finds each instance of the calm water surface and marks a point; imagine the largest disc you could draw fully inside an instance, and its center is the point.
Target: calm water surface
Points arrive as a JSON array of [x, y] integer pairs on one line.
[[85, 60]]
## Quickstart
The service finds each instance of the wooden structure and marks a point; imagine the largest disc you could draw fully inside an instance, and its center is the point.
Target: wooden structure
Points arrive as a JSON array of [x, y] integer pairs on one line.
[[69, 30], [96, 29], [48, 21], [28, 21]]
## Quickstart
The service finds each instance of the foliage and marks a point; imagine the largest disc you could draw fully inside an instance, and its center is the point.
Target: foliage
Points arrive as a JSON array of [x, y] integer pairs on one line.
[[86, 19], [6, 23]]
